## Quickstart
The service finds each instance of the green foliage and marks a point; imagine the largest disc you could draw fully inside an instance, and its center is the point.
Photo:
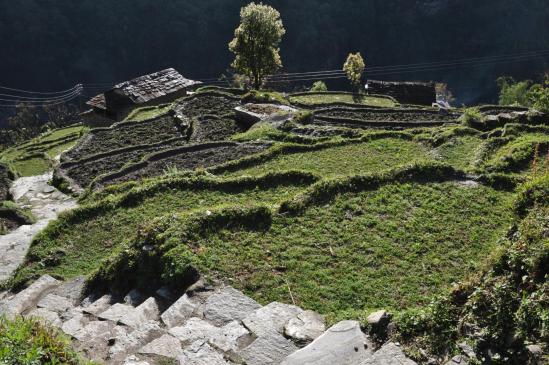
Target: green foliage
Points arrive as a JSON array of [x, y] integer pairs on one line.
[[354, 67], [256, 42], [472, 117], [512, 92], [538, 96], [319, 86], [28, 342]]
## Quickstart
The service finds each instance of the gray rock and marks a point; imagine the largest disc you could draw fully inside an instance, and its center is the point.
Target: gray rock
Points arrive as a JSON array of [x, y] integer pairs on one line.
[[467, 350], [117, 311], [179, 312], [98, 330], [134, 298], [28, 297], [379, 318], [535, 351], [272, 317], [165, 346], [231, 338], [132, 342], [458, 360], [98, 306], [389, 354], [343, 344], [269, 349], [55, 303], [227, 305], [145, 312], [166, 294], [306, 327], [200, 353], [72, 290], [134, 360], [193, 330], [75, 324], [45, 316]]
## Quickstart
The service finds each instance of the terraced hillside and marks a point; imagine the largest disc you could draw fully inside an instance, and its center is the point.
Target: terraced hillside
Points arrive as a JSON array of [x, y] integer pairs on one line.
[[343, 209]]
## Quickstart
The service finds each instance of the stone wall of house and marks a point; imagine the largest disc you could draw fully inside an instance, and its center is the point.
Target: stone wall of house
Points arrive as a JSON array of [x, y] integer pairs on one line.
[[417, 93]]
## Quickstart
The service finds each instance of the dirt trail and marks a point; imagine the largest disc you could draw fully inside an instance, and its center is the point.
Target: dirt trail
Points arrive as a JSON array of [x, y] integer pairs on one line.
[[46, 203]]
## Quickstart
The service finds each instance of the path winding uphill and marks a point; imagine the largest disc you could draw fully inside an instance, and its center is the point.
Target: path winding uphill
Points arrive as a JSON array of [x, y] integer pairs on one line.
[[46, 203]]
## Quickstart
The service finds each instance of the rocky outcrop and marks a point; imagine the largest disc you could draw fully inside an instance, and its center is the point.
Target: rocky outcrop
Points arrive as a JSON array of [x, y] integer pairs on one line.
[[205, 326]]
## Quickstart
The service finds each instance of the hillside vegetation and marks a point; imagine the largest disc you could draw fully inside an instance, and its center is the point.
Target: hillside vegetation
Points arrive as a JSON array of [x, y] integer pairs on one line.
[[439, 223]]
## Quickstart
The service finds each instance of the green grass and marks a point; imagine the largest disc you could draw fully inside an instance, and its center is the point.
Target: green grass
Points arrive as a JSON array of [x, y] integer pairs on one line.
[[61, 133], [32, 166], [518, 154], [27, 342], [149, 112], [342, 98], [391, 248], [459, 152], [78, 248], [357, 158], [36, 156]]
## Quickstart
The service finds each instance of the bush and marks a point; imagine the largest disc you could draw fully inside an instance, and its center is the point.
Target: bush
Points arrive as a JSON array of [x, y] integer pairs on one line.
[[319, 86], [512, 92], [472, 117], [27, 341]]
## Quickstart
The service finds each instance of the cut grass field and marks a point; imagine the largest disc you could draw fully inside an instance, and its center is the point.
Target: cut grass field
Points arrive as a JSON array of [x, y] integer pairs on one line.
[[459, 152], [78, 248], [355, 158], [320, 98]]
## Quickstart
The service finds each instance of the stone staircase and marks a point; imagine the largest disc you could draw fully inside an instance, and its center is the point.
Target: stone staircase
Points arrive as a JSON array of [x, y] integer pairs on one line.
[[205, 326]]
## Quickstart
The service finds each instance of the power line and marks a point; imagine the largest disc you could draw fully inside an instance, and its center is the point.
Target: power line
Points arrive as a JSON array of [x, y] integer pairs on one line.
[[45, 100], [39, 92], [31, 99]]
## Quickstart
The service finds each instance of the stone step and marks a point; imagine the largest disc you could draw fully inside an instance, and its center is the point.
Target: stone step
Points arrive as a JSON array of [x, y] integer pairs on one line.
[[228, 304], [28, 298], [343, 344]]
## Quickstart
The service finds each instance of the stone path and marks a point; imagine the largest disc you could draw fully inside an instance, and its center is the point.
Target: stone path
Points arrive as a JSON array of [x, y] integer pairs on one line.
[[205, 326], [45, 202]]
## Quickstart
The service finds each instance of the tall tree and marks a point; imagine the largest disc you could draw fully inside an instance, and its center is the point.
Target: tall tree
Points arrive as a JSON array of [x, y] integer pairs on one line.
[[354, 68], [256, 42]]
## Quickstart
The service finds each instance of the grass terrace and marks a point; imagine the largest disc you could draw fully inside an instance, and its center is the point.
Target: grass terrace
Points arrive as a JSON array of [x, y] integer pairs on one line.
[[327, 98], [36, 156], [77, 243], [349, 159], [149, 112]]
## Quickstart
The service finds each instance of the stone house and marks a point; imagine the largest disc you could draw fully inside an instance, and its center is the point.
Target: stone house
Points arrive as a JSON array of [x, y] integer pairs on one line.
[[157, 88], [418, 93]]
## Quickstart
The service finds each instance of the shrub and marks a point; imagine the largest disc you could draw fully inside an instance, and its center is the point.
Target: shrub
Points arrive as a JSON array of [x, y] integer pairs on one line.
[[472, 117], [512, 92], [27, 341], [319, 86]]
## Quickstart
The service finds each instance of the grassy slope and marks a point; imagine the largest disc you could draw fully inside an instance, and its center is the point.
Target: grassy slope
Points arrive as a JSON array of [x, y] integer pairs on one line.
[[79, 248], [146, 113], [346, 160], [342, 98], [390, 248]]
